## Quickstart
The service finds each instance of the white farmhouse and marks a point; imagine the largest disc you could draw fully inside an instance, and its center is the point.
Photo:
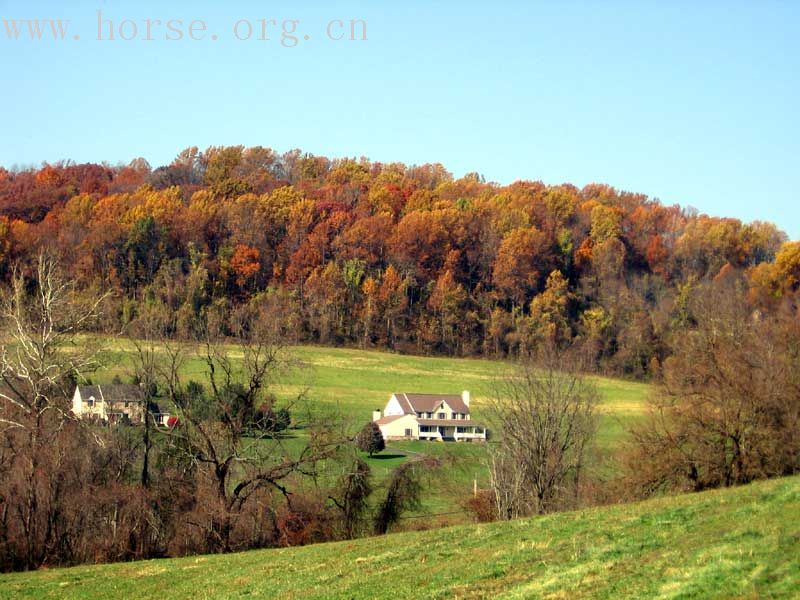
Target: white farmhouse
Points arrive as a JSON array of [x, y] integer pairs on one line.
[[428, 417], [113, 403]]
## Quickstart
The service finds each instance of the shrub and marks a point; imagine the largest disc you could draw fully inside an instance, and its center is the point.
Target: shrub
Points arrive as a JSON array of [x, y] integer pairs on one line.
[[482, 506], [271, 421], [370, 439]]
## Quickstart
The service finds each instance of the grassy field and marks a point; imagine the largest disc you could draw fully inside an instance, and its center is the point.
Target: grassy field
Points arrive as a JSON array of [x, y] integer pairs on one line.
[[735, 543], [355, 382], [358, 381]]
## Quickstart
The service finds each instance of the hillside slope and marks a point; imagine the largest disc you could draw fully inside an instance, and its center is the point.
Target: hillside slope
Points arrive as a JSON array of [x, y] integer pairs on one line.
[[355, 382], [742, 542]]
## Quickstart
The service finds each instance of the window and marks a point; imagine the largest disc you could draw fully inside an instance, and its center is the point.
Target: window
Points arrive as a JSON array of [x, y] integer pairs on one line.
[[408, 433], [441, 415], [90, 401]]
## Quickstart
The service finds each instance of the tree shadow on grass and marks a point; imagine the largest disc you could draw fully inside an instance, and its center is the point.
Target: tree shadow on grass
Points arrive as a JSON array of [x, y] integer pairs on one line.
[[387, 456]]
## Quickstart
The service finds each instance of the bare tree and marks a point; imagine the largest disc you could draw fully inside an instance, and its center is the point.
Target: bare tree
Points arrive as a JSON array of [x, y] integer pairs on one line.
[[403, 491], [40, 360], [728, 411], [512, 497], [545, 414], [39, 356], [240, 463], [351, 496], [152, 344]]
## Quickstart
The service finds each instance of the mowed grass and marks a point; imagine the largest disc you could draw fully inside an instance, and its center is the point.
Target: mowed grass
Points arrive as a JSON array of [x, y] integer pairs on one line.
[[354, 382], [734, 543]]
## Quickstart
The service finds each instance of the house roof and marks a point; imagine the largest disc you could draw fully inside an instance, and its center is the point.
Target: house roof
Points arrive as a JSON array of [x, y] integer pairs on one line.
[[413, 403], [112, 393], [88, 391], [389, 419]]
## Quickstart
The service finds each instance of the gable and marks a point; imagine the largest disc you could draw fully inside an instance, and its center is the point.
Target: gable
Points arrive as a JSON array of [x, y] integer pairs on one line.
[[84, 392], [396, 407]]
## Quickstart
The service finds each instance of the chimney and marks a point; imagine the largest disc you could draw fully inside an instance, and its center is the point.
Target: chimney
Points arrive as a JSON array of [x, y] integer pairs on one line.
[[376, 414], [465, 397]]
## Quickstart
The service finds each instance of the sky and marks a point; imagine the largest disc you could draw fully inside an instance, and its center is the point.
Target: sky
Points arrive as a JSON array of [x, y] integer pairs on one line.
[[694, 103]]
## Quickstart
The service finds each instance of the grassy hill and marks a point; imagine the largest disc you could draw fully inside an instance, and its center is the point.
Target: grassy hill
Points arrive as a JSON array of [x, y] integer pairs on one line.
[[358, 381], [734, 543]]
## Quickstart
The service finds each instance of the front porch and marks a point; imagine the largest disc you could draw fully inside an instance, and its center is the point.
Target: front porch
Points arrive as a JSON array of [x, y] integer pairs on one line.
[[456, 433]]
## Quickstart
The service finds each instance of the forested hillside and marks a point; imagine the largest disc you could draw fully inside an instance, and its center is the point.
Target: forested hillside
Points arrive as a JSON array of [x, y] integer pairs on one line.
[[407, 257], [246, 253]]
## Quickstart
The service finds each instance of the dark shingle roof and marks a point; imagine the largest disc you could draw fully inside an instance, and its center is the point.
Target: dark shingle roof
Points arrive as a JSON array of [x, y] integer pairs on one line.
[[112, 393], [88, 391], [430, 402]]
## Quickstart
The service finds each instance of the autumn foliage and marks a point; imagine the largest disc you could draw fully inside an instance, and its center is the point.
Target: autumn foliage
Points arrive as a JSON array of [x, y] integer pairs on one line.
[[247, 244], [387, 255]]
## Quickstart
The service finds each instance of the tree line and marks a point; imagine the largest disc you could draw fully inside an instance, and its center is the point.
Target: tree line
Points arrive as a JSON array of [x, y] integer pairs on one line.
[[384, 255]]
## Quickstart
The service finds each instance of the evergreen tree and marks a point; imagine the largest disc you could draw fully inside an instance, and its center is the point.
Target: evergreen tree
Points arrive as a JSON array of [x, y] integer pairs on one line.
[[370, 439]]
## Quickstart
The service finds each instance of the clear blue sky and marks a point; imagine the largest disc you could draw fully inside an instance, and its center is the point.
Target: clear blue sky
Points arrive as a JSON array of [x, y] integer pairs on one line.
[[691, 102]]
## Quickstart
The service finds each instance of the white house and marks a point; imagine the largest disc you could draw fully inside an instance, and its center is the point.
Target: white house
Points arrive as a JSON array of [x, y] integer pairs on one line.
[[429, 417], [113, 403]]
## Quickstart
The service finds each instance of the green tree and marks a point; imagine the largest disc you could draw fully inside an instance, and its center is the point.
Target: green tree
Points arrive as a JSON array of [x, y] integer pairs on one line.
[[370, 439], [142, 253]]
